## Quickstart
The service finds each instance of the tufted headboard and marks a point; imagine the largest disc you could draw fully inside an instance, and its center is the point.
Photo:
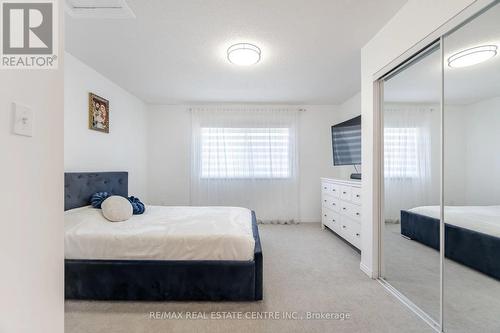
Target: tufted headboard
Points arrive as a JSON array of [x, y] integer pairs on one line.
[[79, 186]]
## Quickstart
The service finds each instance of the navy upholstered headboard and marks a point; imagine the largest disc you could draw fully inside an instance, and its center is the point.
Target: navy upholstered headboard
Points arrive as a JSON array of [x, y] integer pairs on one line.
[[79, 186]]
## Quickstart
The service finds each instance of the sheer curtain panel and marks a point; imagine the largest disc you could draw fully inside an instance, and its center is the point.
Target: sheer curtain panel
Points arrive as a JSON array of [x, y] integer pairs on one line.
[[246, 157]]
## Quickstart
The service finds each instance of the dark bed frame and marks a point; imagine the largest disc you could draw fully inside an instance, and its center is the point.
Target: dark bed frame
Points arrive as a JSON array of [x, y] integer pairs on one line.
[[471, 248], [154, 280]]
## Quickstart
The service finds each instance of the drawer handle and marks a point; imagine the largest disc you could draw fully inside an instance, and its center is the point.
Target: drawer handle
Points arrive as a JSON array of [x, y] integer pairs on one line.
[[344, 192], [344, 226], [357, 195], [325, 215], [357, 234], [333, 220], [357, 214], [324, 200], [344, 208], [333, 204], [324, 188]]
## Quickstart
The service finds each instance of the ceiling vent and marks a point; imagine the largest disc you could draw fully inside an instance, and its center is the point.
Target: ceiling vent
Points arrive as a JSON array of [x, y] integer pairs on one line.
[[99, 9]]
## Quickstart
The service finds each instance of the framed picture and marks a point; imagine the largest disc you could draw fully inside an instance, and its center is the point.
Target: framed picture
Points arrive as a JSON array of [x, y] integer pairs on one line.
[[98, 113]]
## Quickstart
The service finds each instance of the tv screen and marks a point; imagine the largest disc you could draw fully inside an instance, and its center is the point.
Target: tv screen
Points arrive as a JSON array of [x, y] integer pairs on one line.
[[346, 142]]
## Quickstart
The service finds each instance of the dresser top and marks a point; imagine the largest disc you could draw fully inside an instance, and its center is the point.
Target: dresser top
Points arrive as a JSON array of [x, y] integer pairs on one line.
[[352, 182]]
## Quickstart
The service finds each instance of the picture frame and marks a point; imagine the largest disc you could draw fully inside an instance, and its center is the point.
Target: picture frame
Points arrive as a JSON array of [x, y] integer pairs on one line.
[[98, 113]]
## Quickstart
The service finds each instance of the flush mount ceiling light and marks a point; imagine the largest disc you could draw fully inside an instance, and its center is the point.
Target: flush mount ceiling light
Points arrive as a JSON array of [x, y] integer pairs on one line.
[[243, 54], [472, 56]]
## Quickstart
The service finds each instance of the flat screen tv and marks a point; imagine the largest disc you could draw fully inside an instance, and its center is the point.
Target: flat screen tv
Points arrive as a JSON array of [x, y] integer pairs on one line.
[[346, 142]]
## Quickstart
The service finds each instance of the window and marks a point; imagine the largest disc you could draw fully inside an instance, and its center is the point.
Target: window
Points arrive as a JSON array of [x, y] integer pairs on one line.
[[230, 152], [401, 152]]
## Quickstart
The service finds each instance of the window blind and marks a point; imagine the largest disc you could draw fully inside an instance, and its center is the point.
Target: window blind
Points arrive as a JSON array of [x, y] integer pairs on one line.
[[230, 152]]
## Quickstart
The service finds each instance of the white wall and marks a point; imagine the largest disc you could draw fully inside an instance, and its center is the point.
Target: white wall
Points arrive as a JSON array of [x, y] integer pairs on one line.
[[472, 164], [401, 33], [124, 147], [454, 158], [349, 109], [482, 137], [31, 241], [316, 157], [169, 142], [169, 149]]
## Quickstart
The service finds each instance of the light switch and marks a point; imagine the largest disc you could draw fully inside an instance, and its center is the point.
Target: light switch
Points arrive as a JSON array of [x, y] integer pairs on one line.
[[23, 120]]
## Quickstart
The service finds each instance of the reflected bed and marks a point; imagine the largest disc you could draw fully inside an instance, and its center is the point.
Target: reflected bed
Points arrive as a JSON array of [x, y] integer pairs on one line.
[[472, 234]]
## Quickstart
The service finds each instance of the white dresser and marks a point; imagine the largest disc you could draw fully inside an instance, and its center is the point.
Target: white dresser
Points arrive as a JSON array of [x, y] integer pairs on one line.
[[341, 208]]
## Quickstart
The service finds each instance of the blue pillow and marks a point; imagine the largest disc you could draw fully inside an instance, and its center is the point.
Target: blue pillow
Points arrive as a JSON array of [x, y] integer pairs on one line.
[[137, 206], [97, 198]]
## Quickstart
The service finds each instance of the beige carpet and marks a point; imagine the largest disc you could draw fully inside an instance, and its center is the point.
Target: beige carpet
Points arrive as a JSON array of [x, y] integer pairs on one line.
[[306, 269]]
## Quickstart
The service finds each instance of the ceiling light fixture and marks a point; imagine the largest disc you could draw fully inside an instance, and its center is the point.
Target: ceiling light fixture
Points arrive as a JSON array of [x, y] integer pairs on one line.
[[472, 56], [243, 54]]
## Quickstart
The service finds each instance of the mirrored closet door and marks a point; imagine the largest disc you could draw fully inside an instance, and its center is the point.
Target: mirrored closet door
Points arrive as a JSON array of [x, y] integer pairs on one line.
[[411, 178], [440, 215], [472, 175]]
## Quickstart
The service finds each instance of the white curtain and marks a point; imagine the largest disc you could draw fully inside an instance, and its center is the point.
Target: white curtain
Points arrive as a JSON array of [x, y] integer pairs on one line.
[[246, 157], [411, 145]]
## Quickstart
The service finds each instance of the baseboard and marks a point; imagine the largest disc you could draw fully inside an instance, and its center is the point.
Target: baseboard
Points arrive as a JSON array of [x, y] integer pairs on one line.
[[366, 270], [309, 220], [295, 221]]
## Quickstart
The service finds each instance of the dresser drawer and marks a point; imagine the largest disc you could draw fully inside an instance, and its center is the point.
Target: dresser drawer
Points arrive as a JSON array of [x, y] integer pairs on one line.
[[344, 228], [330, 189], [345, 192], [331, 220], [350, 210], [345, 208], [355, 212], [355, 234], [350, 230], [335, 190], [326, 188], [331, 203], [356, 195]]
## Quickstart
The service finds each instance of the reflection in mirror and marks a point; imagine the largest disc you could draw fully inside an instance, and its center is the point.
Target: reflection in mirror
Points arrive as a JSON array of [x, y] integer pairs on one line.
[[472, 175], [412, 155]]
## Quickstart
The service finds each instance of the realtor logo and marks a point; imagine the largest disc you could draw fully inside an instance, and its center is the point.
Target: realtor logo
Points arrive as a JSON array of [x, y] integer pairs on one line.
[[29, 34]]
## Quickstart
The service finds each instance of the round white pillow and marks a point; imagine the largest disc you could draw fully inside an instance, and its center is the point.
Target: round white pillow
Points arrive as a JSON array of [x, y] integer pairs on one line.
[[116, 208]]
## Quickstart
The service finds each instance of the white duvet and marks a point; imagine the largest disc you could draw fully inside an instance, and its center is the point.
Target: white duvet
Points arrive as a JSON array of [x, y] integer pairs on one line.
[[485, 219], [161, 233]]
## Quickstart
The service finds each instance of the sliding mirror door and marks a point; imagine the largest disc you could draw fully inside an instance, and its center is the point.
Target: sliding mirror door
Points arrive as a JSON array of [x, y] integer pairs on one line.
[[472, 175], [411, 178]]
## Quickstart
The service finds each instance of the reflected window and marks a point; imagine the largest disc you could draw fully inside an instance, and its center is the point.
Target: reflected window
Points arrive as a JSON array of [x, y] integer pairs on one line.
[[401, 152]]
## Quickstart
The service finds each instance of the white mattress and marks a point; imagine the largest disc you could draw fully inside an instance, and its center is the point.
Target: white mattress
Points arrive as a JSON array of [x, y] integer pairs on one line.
[[161, 233], [484, 219]]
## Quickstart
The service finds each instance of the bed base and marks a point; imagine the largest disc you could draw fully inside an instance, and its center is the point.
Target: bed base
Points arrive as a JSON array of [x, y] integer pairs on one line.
[[161, 280], [468, 247]]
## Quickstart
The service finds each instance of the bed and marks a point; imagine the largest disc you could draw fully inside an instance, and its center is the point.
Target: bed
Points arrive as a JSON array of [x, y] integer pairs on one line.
[[169, 253], [472, 234]]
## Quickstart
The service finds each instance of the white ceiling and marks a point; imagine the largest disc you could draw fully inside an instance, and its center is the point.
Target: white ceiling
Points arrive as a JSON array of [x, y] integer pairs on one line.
[[173, 52], [421, 83]]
